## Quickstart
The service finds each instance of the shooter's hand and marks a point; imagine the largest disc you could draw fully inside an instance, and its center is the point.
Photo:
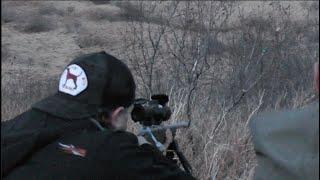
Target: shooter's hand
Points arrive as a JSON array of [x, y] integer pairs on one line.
[[165, 138], [142, 140]]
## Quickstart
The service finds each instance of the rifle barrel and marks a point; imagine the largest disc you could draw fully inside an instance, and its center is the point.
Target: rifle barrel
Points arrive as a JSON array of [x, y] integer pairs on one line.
[[163, 128]]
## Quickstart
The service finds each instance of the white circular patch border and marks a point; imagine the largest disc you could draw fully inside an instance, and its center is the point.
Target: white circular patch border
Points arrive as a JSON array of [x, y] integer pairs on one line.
[[73, 80]]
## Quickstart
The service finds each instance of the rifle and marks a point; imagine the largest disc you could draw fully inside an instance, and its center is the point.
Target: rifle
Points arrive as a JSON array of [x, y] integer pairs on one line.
[[173, 146], [150, 114]]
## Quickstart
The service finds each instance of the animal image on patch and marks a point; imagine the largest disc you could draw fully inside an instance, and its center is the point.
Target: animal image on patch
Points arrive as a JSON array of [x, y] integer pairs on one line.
[[72, 77], [73, 80]]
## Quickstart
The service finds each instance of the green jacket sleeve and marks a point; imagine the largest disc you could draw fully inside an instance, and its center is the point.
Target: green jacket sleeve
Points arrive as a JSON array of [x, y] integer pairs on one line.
[[287, 144]]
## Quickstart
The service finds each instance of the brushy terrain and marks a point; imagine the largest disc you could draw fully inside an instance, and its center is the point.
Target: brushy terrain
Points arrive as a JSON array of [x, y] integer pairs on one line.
[[220, 63]]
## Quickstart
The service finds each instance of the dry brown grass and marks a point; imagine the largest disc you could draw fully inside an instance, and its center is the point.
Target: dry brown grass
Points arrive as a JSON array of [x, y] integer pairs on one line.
[[90, 40], [50, 9], [101, 14], [7, 15], [23, 87]]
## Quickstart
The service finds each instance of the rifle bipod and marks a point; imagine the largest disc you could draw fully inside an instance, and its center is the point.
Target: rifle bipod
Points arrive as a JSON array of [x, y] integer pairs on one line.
[[174, 148]]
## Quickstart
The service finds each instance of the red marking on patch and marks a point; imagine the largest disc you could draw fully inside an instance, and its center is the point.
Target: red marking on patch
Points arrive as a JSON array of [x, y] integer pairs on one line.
[[71, 149]]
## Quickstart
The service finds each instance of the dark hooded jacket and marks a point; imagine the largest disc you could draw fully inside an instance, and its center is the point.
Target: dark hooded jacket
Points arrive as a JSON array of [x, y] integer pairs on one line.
[[38, 145]]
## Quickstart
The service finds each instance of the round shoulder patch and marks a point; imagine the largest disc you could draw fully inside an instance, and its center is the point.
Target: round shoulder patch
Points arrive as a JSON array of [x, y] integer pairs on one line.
[[73, 80]]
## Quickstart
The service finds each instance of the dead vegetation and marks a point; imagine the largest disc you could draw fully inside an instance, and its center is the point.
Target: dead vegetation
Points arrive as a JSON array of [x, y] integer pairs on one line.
[[220, 64], [23, 88], [222, 73], [98, 2], [50, 9], [7, 15], [36, 24], [90, 39], [100, 14]]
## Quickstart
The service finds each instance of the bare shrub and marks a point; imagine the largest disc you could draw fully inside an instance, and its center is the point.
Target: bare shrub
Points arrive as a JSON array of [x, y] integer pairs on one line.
[[17, 11], [5, 53], [98, 2], [50, 9], [90, 39], [100, 14], [36, 24], [72, 25], [131, 11], [8, 15], [18, 3], [220, 74], [214, 45]]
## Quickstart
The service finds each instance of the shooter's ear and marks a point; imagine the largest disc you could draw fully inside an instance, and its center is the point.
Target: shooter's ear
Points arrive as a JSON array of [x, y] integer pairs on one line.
[[316, 76], [116, 112]]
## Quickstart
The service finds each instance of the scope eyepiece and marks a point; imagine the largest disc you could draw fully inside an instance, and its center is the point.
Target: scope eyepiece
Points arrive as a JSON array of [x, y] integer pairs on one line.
[[151, 112]]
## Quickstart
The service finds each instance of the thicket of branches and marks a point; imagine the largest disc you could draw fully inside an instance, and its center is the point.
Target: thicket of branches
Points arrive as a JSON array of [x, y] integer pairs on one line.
[[221, 65]]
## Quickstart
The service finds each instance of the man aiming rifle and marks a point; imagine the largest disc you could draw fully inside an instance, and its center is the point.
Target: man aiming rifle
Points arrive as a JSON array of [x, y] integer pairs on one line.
[[78, 133]]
